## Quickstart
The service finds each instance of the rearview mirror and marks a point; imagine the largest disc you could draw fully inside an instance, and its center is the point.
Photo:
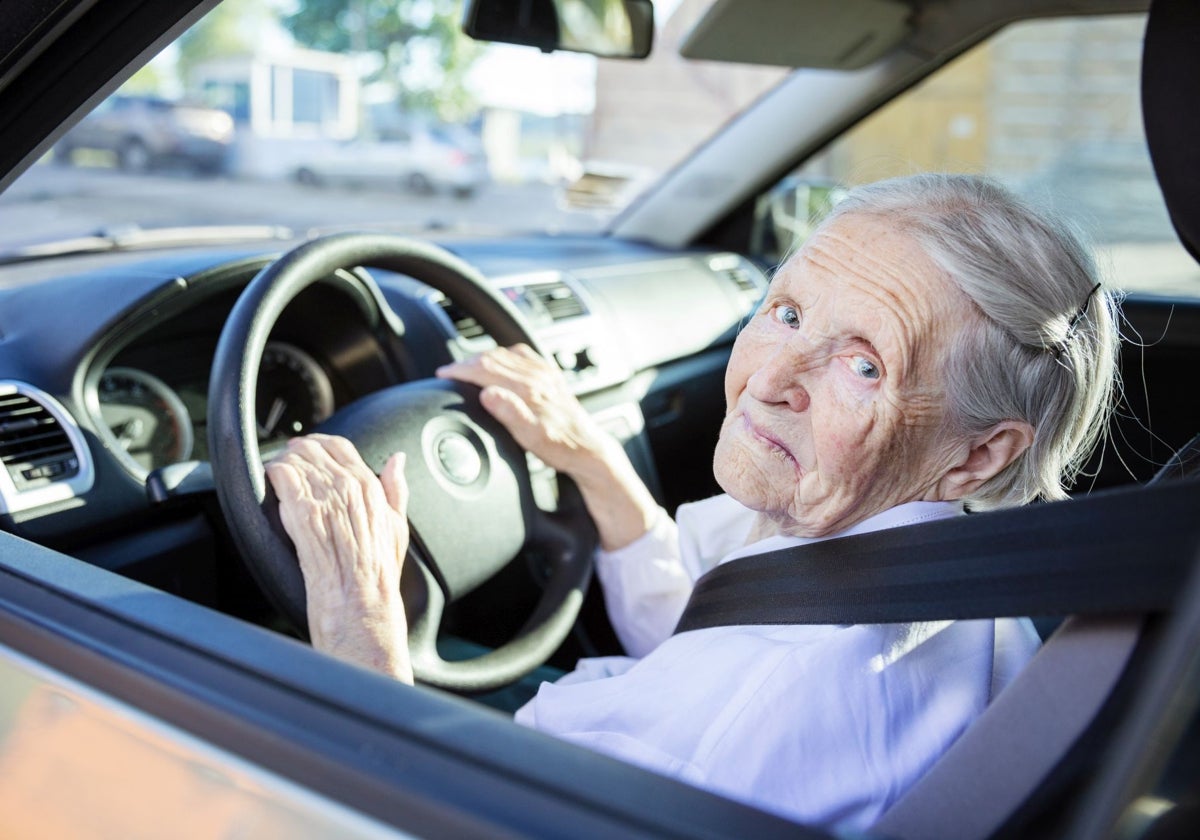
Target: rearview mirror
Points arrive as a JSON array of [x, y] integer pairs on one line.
[[606, 28]]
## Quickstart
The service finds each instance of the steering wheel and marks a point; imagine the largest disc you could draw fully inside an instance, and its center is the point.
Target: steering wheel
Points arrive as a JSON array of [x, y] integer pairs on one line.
[[471, 509]]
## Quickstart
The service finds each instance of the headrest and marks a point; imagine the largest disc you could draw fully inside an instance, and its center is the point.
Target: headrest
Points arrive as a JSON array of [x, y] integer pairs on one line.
[[1171, 110]]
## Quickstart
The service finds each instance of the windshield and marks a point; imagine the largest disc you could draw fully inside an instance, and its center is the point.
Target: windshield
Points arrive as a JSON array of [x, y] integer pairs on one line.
[[317, 115]]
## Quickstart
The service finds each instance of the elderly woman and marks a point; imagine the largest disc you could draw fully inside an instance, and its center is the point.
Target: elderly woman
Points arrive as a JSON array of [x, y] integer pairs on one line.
[[935, 343]]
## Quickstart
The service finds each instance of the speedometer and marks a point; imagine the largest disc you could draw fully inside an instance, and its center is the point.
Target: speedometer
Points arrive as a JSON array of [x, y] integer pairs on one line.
[[146, 418], [294, 393]]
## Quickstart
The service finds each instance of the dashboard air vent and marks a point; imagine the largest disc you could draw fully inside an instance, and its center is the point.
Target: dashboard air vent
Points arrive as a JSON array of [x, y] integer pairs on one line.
[[464, 324], [742, 278], [748, 282], [34, 446], [559, 300]]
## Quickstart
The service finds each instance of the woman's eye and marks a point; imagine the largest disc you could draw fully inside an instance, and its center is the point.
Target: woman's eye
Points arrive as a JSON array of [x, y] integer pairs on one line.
[[788, 315], [865, 368]]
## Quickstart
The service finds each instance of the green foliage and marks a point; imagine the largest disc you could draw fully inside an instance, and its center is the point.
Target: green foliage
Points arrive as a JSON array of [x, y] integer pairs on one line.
[[231, 28], [420, 50], [149, 80]]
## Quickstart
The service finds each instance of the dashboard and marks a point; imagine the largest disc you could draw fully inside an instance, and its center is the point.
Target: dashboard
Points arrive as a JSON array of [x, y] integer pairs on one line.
[[116, 351], [150, 401]]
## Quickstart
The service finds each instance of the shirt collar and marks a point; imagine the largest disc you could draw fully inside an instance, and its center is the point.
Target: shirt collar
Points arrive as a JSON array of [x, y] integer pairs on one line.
[[909, 513]]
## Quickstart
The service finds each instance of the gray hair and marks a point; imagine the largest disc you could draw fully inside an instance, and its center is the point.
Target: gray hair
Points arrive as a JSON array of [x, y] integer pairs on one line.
[[1045, 349]]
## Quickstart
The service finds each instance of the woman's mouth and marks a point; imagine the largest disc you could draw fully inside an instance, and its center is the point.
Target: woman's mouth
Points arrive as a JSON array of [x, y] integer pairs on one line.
[[769, 441]]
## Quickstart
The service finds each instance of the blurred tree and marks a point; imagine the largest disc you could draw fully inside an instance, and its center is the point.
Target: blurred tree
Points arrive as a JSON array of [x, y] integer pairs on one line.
[[149, 80], [233, 28], [419, 49]]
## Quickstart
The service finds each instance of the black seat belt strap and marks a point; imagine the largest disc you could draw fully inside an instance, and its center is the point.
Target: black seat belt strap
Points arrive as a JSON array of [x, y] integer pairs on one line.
[[1121, 551]]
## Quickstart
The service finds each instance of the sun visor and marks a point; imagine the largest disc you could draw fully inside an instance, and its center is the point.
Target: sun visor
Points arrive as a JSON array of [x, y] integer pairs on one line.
[[833, 34]]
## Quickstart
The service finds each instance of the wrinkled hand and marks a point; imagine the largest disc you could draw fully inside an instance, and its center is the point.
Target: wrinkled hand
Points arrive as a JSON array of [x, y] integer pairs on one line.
[[351, 534], [531, 398]]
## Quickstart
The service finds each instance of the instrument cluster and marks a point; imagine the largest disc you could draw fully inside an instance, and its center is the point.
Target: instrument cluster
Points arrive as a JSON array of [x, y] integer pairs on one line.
[[153, 424]]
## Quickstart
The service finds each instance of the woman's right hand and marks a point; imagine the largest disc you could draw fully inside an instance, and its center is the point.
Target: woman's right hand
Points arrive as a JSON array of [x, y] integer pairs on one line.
[[533, 401], [350, 530]]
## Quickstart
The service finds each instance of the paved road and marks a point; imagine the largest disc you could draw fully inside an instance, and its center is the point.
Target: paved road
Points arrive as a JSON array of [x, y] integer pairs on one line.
[[53, 202]]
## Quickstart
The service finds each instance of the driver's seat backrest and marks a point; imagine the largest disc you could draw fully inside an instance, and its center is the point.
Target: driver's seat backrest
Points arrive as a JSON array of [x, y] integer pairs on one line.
[[1170, 112], [983, 786], [1183, 464], [993, 769]]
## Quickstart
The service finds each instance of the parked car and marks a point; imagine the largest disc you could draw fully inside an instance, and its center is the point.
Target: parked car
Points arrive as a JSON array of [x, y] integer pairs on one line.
[[424, 160], [153, 680], [145, 132]]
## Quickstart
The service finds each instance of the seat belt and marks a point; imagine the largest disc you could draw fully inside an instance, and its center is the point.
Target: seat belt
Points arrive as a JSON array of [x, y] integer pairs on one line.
[[1114, 553], [1119, 551]]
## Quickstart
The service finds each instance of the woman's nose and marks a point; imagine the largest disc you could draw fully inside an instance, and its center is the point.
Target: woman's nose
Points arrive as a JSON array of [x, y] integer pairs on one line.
[[778, 380]]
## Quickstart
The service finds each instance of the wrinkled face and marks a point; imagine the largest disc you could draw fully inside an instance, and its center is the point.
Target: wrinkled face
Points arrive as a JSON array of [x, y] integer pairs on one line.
[[834, 392]]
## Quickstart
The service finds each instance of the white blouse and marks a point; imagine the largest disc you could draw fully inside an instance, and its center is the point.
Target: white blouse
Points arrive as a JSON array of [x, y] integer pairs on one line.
[[821, 724]]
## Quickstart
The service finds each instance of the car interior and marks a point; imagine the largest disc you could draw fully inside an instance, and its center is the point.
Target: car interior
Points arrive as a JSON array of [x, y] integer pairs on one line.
[[146, 377]]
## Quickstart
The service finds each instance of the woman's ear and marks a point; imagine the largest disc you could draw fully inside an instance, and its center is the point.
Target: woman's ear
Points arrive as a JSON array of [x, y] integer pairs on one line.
[[990, 453]]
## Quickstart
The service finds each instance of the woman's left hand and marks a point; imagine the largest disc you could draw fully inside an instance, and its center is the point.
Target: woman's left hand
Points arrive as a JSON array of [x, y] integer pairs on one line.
[[530, 396], [533, 400], [350, 530]]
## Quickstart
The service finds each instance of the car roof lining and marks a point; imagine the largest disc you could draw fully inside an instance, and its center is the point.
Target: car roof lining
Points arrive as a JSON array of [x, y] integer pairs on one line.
[[853, 32], [850, 34], [810, 108]]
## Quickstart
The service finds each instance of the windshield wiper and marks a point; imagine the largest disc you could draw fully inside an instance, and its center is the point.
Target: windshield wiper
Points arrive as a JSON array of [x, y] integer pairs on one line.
[[135, 238]]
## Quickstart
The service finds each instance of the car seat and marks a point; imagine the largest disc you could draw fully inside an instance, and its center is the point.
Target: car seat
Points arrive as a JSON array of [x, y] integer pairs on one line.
[[1018, 770]]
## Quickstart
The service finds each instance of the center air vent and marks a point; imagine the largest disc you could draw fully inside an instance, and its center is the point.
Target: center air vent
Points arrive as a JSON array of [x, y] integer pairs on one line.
[[747, 281], [742, 278], [559, 300], [542, 303], [464, 324], [34, 446], [745, 278]]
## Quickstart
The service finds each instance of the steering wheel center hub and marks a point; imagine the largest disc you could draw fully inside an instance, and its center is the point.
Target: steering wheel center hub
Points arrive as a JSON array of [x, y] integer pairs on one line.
[[458, 458]]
